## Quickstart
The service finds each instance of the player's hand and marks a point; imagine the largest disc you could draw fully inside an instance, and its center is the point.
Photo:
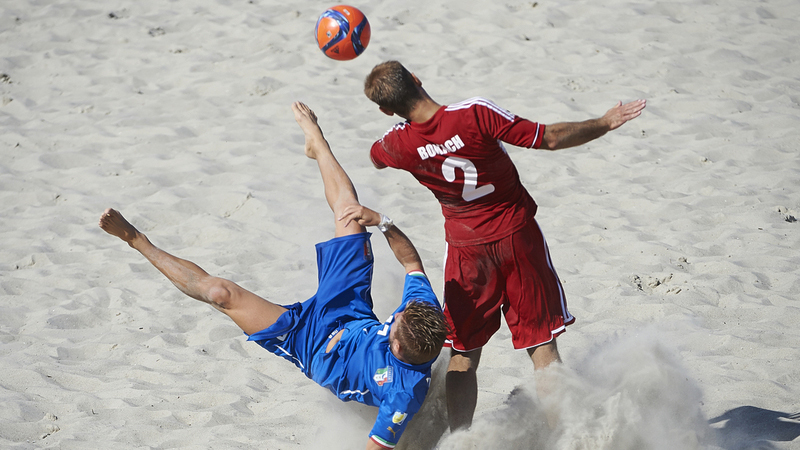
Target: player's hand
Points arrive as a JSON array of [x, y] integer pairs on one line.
[[620, 113], [361, 215]]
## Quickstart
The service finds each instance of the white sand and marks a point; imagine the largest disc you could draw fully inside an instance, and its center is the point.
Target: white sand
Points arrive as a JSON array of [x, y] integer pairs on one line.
[[675, 236]]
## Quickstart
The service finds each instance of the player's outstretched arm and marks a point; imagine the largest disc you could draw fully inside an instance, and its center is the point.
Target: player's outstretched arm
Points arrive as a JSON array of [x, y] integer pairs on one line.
[[401, 245], [571, 134], [404, 250]]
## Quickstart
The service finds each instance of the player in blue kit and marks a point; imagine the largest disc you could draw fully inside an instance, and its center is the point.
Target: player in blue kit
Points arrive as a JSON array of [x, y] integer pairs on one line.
[[333, 337]]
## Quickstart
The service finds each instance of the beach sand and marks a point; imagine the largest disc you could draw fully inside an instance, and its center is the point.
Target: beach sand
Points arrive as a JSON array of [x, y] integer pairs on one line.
[[676, 237]]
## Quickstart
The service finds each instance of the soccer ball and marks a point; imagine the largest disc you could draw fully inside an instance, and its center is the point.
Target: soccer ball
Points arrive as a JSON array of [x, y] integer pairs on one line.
[[342, 32]]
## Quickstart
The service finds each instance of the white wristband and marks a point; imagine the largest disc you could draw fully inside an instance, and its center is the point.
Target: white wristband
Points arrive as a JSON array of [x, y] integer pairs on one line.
[[385, 224]]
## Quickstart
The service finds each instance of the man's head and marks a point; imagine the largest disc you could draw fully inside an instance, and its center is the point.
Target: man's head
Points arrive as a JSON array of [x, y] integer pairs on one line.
[[418, 333], [393, 88]]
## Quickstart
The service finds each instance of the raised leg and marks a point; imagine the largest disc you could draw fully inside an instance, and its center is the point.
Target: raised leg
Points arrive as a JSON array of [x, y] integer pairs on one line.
[[249, 311], [339, 190]]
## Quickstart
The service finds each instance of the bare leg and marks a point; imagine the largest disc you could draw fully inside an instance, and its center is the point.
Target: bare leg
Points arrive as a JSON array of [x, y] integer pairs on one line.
[[251, 312], [462, 388], [339, 190], [543, 356]]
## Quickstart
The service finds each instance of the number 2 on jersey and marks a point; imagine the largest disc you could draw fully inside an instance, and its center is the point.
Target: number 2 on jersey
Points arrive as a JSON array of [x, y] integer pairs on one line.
[[471, 190]]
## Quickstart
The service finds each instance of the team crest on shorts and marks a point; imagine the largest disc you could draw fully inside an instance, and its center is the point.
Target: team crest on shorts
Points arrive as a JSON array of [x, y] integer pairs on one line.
[[383, 376]]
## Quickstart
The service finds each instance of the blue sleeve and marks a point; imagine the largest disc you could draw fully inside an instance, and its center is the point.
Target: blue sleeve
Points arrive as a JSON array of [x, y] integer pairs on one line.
[[417, 287], [393, 416]]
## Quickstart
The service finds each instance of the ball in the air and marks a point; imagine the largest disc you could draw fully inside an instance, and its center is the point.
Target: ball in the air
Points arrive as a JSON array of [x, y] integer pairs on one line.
[[342, 32]]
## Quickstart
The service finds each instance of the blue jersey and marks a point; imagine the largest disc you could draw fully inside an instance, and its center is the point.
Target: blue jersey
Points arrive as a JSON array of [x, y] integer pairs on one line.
[[360, 366]]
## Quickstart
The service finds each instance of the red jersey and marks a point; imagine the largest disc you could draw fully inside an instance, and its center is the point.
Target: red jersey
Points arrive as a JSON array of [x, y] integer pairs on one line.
[[458, 154]]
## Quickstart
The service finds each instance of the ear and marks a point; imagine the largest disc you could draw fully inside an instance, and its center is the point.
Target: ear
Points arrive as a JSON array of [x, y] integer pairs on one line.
[[397, 349], [416, 80], [385, 111]]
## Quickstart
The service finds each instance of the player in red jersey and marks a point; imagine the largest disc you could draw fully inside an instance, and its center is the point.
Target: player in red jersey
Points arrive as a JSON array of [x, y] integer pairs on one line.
[[497, 259]]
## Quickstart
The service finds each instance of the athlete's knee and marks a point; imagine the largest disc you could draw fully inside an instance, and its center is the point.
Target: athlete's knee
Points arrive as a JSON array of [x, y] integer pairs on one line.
[[220, 293], [464, 361], [544, 355]]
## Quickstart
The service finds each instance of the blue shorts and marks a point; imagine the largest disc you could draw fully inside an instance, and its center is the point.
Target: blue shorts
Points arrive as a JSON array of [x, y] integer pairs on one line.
[[343, 295]]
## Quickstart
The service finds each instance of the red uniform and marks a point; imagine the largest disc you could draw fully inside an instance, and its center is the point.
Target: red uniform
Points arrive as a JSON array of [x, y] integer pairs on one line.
[[497, 258]]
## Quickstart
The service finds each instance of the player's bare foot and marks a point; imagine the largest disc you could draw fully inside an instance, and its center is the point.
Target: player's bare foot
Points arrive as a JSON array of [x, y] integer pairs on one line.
[[307, 120], [114, 224]]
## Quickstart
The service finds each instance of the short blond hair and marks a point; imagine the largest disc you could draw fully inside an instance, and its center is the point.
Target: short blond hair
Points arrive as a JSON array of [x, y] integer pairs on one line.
[[422, 333]]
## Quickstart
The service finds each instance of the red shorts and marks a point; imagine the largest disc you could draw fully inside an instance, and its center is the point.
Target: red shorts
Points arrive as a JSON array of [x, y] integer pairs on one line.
[[513, 275]]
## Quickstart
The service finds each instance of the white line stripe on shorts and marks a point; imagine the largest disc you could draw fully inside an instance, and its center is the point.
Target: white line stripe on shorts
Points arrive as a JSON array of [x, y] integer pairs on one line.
[[292, 356], [567, 316]]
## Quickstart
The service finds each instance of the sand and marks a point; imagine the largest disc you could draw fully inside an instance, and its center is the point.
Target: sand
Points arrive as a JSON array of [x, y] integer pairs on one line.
[[676, 237]]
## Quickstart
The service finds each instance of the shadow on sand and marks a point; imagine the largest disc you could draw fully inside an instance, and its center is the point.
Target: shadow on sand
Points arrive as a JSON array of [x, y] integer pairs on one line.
[[751, 428]]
